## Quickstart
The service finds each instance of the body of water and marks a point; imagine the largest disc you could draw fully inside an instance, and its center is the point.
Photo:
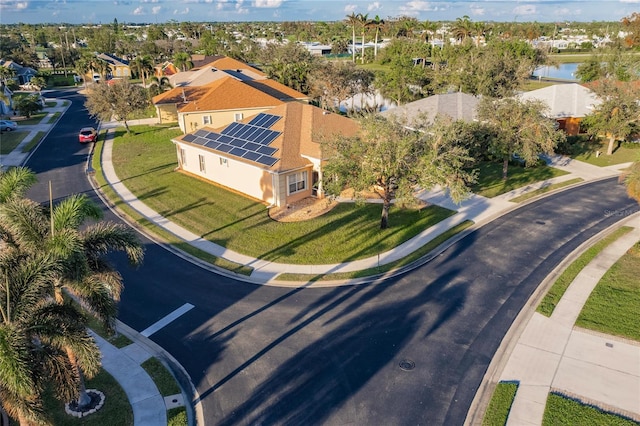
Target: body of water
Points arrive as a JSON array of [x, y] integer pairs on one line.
[[564, 72]]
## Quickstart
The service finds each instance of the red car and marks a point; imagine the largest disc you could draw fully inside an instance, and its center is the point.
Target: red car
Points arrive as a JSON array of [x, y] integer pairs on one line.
[[87, 134]]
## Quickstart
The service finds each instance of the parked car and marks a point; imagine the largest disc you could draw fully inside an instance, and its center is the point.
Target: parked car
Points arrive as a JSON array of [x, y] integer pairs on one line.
[[87, 134], [8, 125]]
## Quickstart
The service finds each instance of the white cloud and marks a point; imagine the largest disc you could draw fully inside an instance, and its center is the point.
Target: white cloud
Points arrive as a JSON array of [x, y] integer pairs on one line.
[[526, 9], [350, 8], [418, 6], [185, 11], [267, 3], [149, 1], [477, 10], [156, 10], [138, 11], [13, 5], [629, 1], [375, 6]]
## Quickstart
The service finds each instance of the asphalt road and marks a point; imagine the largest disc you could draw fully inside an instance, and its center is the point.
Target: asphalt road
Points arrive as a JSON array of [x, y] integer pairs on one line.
[[410, 350]]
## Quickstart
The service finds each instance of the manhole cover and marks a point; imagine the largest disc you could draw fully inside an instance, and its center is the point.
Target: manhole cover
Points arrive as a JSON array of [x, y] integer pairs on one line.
[[407, 365]]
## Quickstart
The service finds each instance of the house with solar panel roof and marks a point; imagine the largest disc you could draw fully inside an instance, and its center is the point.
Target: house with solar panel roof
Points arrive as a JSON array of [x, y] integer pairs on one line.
[[273, 156]]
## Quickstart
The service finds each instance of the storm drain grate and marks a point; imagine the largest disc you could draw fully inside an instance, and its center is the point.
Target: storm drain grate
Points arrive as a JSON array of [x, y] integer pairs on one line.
[[407, 365]]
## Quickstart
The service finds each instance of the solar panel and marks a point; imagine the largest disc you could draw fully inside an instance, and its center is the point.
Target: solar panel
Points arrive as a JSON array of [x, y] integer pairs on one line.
[[213, 136], [264, 120], [245, 131], [238, 152], [255, 135], [201, 141], [189, 137], [266, 150], [251, 146], [267, 160], [237, 142], [224, 147], [225, 139], [250, 155], [267, 138], [201, 133], [212, 144], [232, 129]]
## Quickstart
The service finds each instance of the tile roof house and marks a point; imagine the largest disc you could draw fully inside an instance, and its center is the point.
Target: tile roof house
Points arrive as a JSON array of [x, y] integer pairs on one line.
[[221, 100], [218, 103], [567, 104], [458, 106], [119, 67], [274, 157], [23, 75]]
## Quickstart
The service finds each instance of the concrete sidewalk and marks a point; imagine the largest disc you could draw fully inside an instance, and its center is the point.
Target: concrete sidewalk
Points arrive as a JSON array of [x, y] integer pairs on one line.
[[552, 354]]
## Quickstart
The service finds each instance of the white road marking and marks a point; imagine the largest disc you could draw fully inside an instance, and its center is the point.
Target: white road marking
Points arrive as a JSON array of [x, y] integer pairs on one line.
[[167, 319]]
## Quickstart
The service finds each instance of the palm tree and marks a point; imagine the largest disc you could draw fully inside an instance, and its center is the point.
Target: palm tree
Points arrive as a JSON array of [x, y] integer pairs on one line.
[[182, 60], [142, 65], [34, 332], [364, 23], [353, 20], [480, 29], [379, 25], [462, 29], [631, 179], [15, 182], [81, 249]]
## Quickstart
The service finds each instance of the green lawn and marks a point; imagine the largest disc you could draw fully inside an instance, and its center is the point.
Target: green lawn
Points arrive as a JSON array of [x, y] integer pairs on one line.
[[557, 290], [587, 151], [564, 411], [614, 304], [500, 404], [490, 183], [145, 163], [33, 142], [115, 411], [10, 140]]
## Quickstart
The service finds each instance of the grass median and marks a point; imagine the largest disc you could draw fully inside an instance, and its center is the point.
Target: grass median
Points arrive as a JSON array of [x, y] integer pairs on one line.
[[557, 290]]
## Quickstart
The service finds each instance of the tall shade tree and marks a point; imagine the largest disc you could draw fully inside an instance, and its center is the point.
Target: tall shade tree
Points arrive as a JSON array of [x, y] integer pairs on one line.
[[393, 160], [521, 128], [364, 23], [335, 82], [143, 66], [618, 115], [80, 248], [119, 100], [289, 64], [34, 332]]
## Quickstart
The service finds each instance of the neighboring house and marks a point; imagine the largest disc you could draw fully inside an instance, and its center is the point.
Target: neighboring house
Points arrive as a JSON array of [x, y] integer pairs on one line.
[[199, 76], [457, 106], [216, 104], [165, 69], [23, 75], [566, 103], [222, 100], [274, 157], [119, 67]]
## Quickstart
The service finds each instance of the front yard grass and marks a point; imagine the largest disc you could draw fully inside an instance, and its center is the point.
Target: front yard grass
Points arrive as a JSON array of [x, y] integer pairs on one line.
[[145, 163], [33, 142], [10, 140], [561, 410], [115, 411], [557, 290], [613, 306], [500, 404], [490, 183], [586, 151]]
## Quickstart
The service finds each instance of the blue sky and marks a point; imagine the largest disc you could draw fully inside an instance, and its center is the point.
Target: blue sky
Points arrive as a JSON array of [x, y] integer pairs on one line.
[[158, 11]]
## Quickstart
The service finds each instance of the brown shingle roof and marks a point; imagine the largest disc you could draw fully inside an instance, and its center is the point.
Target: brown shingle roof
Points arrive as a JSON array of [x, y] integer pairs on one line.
[[226, 94]]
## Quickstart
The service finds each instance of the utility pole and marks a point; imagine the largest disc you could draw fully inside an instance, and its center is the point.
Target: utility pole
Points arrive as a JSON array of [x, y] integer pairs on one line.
[[64, 67]]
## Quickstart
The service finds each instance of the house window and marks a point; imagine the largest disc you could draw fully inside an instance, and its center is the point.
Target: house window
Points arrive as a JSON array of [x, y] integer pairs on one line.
[[238, 116], [206, 119], [201, 159], [297, 182], [183, 157]]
